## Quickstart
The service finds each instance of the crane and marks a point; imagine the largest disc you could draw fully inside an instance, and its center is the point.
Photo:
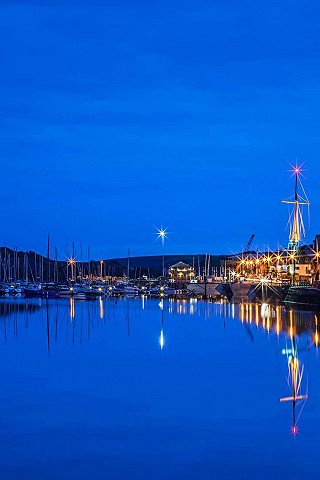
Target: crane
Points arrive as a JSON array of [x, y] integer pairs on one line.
[[249, 243]]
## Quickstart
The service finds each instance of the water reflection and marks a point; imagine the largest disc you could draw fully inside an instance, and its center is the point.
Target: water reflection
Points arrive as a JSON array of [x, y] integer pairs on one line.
[[161, 339], [101, 309], [281, 320], [295, 378], [292, 326], [12, 307], [64, 319], [73, 322]]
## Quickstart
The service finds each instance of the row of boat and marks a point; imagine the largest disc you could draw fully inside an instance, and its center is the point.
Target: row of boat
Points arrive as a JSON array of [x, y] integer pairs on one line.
[[260, 291], [83, 290]]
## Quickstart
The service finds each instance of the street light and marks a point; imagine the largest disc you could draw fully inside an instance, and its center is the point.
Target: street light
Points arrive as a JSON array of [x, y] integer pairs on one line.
[[101, 269], [162, 233], [72, 263]]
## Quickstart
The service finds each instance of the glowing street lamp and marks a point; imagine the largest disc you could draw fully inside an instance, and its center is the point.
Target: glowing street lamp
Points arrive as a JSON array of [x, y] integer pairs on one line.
[[72, 263], [162, 233], [101, 269]]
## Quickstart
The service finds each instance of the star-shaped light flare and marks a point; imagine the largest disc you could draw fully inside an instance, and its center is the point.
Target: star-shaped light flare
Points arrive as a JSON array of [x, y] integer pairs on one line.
[[296, 169], [71, 261], [162, 233]]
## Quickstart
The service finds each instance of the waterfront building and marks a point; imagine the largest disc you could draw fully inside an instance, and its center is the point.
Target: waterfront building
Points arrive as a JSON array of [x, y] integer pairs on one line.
[[181, 273]]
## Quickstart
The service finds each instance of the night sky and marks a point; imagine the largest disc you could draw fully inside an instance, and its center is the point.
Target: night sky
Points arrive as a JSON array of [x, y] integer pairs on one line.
[[121, 116]]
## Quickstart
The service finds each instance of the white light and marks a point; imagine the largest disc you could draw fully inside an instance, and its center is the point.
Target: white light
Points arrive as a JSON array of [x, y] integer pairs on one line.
[[162, 233], [265, 310], [161, 340]]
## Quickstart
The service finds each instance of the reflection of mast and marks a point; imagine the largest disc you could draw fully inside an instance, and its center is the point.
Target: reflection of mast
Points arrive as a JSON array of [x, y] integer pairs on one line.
[[101, 308], [56, 329], [127, 315], [297, 229], [294, 378], [48, 326]]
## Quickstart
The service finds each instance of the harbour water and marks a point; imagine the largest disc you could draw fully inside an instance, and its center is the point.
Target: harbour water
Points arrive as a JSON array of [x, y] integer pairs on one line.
[[141, 388]]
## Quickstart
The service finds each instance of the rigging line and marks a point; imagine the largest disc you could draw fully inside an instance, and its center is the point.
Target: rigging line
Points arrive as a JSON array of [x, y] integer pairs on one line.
[[303, 230], [289, 219], [301, 410], [300, 378], [303, 190]]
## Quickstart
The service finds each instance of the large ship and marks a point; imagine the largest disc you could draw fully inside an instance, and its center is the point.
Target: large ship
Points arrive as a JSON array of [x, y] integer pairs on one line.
[[300, 294], [291, 274]]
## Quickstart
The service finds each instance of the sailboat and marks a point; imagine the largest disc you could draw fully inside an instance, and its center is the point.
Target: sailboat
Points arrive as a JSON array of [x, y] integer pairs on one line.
[[124, 287]]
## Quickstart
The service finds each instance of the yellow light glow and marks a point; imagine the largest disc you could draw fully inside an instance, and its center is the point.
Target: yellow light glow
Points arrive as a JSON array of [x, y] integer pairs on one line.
[[72, 310]]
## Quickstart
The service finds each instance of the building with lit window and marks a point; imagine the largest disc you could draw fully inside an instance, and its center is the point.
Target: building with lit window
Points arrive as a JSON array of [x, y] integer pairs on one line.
[[181, 273]]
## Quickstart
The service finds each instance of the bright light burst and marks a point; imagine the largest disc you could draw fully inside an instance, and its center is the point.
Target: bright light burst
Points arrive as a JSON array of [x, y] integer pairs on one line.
[[162, 233], [71, 261], [296, 169], [316, 254], [278, 256]]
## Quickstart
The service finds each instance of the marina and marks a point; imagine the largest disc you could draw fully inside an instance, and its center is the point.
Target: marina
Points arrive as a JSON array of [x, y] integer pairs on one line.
[[289, 275], [159, 240]]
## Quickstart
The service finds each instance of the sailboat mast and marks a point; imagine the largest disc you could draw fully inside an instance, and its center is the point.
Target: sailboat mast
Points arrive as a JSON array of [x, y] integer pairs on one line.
[[297, 226], [56, 275], [128, 266], [295, 234], [89, 263], [48, 259], [73, 267]]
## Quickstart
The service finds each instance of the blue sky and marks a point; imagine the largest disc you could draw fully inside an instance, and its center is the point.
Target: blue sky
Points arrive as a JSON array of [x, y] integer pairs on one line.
[[120, 116]]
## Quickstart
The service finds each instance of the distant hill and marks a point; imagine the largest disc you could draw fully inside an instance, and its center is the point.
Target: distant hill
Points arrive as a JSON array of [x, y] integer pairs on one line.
[[154, 263], [33, 266]]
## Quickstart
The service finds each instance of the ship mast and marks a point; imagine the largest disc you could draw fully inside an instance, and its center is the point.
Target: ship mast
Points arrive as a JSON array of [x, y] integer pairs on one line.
[[297, 229]]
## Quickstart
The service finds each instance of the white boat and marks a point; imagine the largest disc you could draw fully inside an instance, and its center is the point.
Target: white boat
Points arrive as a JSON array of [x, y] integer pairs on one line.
[[66, 291], [124, 289]]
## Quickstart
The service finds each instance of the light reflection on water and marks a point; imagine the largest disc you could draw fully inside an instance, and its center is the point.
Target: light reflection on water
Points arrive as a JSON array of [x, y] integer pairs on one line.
[[205, 371]]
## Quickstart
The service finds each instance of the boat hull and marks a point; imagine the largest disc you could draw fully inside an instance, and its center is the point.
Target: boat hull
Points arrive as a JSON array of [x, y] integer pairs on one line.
[[306, 296]]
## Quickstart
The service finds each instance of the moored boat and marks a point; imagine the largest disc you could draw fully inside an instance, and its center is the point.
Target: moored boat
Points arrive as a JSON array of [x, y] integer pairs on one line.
[[303, 295], [124, 289], [33, 290]]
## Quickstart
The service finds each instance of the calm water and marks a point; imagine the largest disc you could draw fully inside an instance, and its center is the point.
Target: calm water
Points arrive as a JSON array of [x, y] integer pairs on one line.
[[87, 392]]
